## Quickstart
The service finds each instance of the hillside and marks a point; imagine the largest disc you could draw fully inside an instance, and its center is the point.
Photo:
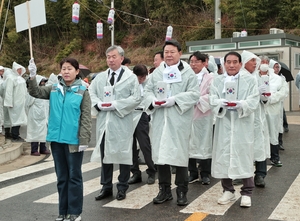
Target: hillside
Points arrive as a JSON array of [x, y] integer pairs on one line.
[[140, 28]]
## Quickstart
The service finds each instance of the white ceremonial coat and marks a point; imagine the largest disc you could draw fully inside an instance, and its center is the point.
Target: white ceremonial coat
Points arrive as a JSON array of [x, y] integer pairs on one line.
[[202, 127], [1, 104], [14, 97], [37, 116], [138, 112], [234, 130], [273, 107], [286, 88], [261, 130], [117, 124], [171, 126]]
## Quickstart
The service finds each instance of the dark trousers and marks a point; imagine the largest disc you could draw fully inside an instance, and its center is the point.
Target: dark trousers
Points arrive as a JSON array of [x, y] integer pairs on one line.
[[69, 178], [35, 147], [141, 134], [15, 132], [204, 165], [181, 179], [285, 123], [107, 173], [246, 189], [280, 139], [261, 168], [275, 152]]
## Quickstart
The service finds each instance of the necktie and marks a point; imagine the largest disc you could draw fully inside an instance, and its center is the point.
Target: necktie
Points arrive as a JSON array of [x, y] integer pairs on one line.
[[112, 79]]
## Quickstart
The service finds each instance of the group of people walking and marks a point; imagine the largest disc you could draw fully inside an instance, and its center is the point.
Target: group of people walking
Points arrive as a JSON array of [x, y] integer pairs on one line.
[[223, 122]]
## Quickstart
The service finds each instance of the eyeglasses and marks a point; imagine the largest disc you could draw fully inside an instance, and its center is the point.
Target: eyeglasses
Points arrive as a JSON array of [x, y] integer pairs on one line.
[[195, 62]]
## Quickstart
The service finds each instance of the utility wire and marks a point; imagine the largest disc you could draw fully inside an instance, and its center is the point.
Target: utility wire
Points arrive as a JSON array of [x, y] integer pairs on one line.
[[8, 4]]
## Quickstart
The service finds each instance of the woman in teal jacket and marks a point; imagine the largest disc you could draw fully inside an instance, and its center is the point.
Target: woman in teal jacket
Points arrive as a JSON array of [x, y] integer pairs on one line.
[[69, 131]]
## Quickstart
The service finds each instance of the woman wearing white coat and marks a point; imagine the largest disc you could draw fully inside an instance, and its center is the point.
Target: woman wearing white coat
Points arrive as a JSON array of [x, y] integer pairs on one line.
[[14, 96], [37, 115]]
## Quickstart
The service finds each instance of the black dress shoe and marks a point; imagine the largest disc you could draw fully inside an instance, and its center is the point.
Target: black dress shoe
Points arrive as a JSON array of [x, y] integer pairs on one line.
[[181, 199], [104, 194], [163, 196], [121, 195], [135, 179], [151, 179], [259, 181], [205, 180]]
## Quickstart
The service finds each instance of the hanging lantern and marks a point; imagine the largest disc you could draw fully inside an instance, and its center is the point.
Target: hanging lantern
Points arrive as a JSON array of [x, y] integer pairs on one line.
[[99, 30], [75, 12], [111, 15], [169, 33]]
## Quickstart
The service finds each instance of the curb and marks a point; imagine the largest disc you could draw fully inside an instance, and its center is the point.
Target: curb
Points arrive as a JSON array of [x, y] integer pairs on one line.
[[11, 153]]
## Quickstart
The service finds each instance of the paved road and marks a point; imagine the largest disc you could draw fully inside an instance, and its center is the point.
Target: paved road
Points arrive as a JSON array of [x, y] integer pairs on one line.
[[29, 193]]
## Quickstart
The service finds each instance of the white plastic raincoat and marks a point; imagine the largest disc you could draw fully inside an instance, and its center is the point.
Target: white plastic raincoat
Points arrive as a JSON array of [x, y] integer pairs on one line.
[[234, 130], [14, 96], [261, 131], [171, 126], [118, 124], [37, 115], [273, 107], [202, 127], [286, 88]]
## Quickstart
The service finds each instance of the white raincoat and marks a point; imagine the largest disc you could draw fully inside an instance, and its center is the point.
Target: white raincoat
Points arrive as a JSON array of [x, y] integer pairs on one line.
[[261, 131], [14, 97], [234, 130], [273, 107], [138, 112], [171, 126], [202, 127], [118, 124], [37, 115], [286, 88]]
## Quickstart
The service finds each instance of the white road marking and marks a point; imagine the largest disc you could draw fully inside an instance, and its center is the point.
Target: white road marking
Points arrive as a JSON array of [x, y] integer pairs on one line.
[[288, 207], [35, 183], [139, 197], [89, 187]]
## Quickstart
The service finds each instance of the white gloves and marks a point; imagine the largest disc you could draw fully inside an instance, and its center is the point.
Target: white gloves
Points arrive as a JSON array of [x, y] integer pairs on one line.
[[262, 89], [155, 104], [223, 102], [32, 68], [82, 147], [104, 106], [264, 97], [169, 102]]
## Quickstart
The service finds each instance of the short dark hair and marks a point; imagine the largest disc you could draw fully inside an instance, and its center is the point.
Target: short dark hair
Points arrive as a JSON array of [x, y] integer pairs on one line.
[[140, 70], [161, 53], [72, 61], [126, 61], [233, 53], [198, 55], [174, 43]]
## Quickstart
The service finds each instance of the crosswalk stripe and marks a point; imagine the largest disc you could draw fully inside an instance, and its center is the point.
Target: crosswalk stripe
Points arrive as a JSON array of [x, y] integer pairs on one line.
[[25, 171], [31, 169], [35, 183], [138, 198], [210, 197], [89, 187], [288, 207]]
